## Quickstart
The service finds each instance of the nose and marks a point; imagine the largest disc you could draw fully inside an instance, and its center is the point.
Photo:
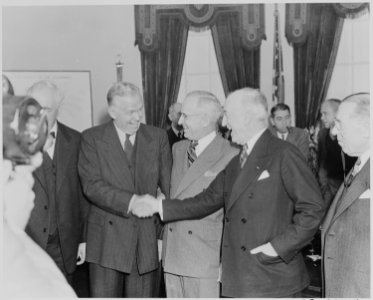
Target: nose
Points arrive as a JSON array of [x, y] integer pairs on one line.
[[181, 120], [224, 122], [334, 130]]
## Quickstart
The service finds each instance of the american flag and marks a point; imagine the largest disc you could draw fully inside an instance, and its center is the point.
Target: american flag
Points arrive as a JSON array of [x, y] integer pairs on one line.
[[278, 87]]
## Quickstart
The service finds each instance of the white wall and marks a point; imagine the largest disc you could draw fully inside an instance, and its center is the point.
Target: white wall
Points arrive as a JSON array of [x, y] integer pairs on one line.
[[73, 38]]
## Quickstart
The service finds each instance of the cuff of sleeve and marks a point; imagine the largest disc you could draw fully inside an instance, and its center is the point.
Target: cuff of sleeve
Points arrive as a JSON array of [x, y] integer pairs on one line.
[[160, 209], [130, 204]]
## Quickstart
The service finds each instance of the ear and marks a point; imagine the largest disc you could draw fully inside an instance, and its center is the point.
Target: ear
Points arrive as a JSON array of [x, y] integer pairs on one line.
[[272, 121], [112, 112]]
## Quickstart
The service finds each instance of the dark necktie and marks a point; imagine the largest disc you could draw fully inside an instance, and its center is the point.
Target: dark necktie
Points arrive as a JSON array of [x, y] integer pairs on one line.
[[350, 178], [180, 135], [128, 147], [243, 155], [192, 156]]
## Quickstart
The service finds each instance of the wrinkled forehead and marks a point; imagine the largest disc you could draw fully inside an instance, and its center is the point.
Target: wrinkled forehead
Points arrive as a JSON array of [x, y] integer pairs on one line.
[[46, 97], [127, 102]]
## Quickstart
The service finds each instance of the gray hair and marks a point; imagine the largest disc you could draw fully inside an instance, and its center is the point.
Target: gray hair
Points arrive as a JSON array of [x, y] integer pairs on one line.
[[253, 101], [362, 108], [44, 85], [208, 103], [333, 103], [123, 89]]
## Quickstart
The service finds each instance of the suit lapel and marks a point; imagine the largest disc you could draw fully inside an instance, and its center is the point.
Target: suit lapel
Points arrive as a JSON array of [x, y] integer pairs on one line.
[[358, 186], [208, 157], [63, 155], [39, 175], [254, 166], [115, 155]]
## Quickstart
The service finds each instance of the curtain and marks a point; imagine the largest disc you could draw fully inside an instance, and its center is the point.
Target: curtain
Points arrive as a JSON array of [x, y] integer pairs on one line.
[[162, 69], [314, 62], [239, 66]]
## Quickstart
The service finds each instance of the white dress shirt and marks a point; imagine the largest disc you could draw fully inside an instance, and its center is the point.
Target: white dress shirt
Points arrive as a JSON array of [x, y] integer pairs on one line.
[[122, 136], [282, 136], [52, 141], [204, 142]]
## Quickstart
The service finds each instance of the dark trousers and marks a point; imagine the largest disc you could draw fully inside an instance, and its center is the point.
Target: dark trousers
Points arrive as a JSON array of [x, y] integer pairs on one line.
[[54, 251], [109, 283]]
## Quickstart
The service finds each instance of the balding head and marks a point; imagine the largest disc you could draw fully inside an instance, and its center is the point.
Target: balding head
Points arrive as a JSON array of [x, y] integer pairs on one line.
[[246, 113], [49, 97], [352, 125]]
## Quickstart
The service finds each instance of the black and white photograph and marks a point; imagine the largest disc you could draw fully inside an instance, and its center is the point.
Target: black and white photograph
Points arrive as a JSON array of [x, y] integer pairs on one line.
[[166, 149]]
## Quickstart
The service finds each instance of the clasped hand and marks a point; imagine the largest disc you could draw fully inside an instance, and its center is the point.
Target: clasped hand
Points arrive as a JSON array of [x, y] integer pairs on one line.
[[146, 205]]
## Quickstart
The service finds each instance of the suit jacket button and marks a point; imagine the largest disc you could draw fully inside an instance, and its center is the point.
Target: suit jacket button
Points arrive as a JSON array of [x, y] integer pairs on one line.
[[45, 207], [227, 220], [243, 220], [190, 232], [243, 248], [44, 229], [111, 222], [170, 229], [251, 195]]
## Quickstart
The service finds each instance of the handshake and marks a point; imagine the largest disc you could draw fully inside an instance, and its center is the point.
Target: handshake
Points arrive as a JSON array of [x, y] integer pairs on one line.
[[146, 205]]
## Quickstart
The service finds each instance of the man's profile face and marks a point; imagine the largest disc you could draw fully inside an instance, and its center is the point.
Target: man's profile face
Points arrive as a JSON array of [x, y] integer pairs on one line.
[[236, 119], [191, 119], [281, 120], [327, 115], [349, 130], [127, 112], [47, 99]]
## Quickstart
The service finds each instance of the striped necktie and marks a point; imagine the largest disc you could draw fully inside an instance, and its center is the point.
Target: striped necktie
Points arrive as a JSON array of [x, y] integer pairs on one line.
[[192, 156], [353, 173], [243, 155]]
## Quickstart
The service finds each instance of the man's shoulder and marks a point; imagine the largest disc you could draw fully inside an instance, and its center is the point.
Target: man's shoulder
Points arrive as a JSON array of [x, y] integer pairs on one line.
[[97, 129], [299, 131]]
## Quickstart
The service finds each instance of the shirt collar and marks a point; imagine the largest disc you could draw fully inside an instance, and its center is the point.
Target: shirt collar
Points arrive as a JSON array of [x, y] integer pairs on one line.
[[251, 143], [54, 129], [122, 135], [363, 159], [175, 130], [204, 142]]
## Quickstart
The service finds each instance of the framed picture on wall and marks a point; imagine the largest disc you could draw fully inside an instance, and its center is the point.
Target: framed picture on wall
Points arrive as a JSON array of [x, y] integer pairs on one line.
[[76, 108]]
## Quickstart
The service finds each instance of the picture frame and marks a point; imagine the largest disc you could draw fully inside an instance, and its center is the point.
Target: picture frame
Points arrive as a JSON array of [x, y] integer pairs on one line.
[[76, 110]]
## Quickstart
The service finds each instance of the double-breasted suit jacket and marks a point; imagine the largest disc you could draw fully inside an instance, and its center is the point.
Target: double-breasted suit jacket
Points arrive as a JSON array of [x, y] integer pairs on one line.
[[114, 236], [192, 248], [346, 240], [70, 205], [273, 198]]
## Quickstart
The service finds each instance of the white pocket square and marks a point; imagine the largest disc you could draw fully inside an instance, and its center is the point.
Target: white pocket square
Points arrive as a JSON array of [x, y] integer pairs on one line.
[[210, 174], [264, 175], [365, 195]]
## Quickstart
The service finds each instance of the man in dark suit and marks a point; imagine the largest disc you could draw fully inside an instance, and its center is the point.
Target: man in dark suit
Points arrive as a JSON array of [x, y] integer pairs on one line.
[[331, 169], [281, 128], [118, 161], [346, 229], [175, 133], [57, 220], [272, 202]]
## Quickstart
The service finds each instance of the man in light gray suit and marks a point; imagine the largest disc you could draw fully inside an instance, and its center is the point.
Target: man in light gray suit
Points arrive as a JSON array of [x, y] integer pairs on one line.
[[191, 249], [346, 228]]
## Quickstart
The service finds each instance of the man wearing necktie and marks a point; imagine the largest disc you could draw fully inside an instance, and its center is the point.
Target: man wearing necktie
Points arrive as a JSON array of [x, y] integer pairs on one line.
[[175, 133], [346, 228], [119, 160], [273, 206], [281, 128], [191, 249], [58, 218]]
